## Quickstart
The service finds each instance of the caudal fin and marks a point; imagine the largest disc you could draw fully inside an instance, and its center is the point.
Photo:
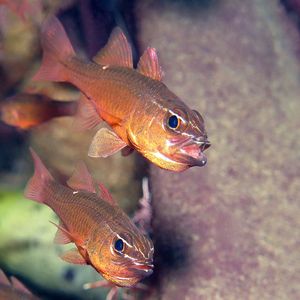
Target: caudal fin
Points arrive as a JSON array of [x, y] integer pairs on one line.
[[57, 51], [35, 189]]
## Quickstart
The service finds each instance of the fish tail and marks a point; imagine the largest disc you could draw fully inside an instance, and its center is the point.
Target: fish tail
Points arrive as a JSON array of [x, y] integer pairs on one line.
[[35, 189], [58, 52]]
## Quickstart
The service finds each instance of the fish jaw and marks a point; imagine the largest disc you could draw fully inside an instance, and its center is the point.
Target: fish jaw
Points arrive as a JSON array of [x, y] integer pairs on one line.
[[178, 156], [192, 153]]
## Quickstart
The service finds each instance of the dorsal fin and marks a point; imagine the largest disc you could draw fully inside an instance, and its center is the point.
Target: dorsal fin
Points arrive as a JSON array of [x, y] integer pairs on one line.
[[81, 179], [18, 285], [3, 279], [104, 194], [117, 51], [149, 66]]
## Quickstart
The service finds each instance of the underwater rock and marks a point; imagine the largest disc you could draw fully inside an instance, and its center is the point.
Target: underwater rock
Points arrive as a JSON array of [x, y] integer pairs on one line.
[[228, 230]]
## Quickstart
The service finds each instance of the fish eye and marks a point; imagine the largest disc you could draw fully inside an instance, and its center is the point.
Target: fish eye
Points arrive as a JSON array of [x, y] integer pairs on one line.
[[119, 245], [173, 122]]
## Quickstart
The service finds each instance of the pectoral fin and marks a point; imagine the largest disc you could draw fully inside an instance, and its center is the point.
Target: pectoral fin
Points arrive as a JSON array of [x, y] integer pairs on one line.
[[105, 143], [73, 256], [62, 236]]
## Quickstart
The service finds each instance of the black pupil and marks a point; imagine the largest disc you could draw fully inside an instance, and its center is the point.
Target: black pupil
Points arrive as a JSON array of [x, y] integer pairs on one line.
[[119, 245], [173, 121]]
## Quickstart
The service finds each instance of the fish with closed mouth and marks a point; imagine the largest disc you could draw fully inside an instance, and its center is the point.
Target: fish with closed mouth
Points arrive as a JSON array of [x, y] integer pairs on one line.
[[103, 234]]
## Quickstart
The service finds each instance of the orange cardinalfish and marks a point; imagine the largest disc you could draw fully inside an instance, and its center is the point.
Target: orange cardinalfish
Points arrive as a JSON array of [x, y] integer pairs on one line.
[[104, 235], [29, 110], [13, 289], [143, 113]]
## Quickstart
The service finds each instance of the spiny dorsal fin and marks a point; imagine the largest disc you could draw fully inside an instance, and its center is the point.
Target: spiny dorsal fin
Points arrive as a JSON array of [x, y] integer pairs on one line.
[[117, 51], [81, 179], [149, 66]]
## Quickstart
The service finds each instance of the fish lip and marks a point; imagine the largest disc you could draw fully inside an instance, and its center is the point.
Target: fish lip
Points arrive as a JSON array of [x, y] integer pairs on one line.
[[191, 151], [145, 269]]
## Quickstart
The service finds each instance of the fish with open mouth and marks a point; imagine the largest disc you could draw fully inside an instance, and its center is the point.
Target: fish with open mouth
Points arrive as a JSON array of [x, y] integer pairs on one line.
[[140, 109], [103, 234]]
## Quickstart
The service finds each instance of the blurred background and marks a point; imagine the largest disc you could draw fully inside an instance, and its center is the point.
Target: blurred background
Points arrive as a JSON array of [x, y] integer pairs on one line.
[[229, 230]]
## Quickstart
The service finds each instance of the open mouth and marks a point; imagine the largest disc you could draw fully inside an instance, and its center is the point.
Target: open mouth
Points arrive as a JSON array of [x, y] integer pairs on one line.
[[145, 268], [192, 152]]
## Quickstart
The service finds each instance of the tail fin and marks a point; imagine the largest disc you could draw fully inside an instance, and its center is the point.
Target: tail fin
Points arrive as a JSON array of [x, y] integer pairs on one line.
[[57, 51], [36, 185]]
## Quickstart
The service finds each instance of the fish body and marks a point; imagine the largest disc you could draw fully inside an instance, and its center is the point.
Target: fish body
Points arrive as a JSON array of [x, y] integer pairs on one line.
[[104, 235], [25, 111], [143, 113]]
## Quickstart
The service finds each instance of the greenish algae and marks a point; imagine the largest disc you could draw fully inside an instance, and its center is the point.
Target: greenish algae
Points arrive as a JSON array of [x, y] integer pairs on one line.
[[27, 249]]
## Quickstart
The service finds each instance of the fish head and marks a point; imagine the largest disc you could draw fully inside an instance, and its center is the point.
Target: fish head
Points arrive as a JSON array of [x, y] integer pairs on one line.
[[125, 258], [175, 138]]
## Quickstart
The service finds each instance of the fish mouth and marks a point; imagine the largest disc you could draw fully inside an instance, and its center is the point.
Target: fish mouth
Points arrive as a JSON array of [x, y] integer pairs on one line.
[[144, 269], [191, 151]]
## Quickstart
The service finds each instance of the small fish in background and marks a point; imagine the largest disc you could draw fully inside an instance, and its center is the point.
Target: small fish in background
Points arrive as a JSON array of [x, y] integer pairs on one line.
[[13, 289], [103, 234], [143, 113], [26, 111]]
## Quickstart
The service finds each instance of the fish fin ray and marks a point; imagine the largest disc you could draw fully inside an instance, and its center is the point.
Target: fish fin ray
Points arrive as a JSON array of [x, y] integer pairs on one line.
[[57, 51], [41, 177], [81, 179], [64, 231], [117, 51], [104, 194], [61, 237], [18, 285], [73, 256], [86, 116], [148, 65], [3, 278], [105, 143]]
